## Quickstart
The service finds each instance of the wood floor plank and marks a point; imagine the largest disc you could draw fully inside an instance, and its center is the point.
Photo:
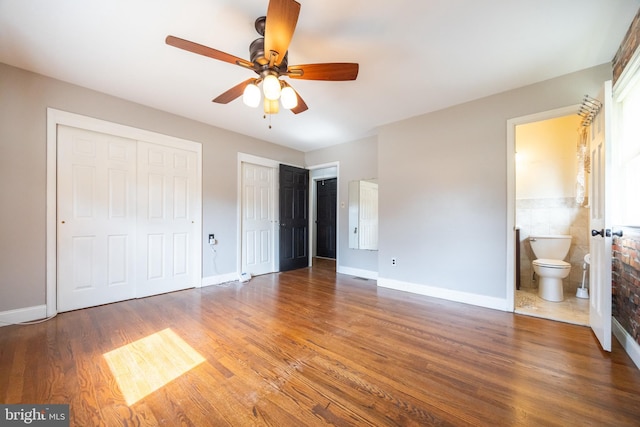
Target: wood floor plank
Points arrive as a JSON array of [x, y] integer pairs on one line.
[[312, 347]]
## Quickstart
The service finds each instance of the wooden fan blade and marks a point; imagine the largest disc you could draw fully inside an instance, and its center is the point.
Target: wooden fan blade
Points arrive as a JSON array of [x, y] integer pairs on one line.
[[233, 93], [206, 51], [302, 106], [282, 17], [336, 71]]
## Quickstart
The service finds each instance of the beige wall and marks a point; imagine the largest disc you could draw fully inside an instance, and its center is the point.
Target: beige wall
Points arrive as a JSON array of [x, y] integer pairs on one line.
[[24, 98], [443, 190], [546, 164], [358, 160]]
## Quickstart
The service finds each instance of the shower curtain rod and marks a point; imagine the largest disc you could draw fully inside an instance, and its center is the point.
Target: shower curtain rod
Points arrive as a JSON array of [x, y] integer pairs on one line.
[[588, 110]]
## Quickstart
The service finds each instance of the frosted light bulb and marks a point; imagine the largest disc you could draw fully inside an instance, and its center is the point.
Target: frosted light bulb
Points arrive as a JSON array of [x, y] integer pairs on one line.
[[251, 95], [271, 87], [288, 98]]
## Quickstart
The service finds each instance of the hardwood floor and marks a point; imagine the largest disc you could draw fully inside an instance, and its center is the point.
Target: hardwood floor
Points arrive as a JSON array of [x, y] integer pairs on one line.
[[309, 347]]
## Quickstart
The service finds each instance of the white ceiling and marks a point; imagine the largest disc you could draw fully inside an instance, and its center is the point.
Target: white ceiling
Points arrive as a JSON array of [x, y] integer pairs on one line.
[[415, 56]]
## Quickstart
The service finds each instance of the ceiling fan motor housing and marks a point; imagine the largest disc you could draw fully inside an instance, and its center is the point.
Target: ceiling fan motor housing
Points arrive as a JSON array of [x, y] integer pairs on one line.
[[258, 57], [260, 25]]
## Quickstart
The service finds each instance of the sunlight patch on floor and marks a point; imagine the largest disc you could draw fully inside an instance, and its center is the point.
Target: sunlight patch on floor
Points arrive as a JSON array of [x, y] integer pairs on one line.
[[146, 365]]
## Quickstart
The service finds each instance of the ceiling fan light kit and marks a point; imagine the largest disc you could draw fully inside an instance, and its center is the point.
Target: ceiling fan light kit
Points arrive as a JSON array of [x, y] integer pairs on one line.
[[269, 59]]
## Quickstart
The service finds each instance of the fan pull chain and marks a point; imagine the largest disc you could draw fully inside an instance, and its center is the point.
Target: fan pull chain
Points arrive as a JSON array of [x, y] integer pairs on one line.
[[265, 116]]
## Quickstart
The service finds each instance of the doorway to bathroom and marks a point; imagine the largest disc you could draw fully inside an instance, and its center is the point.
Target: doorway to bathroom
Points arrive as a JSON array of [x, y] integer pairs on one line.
[[551, 198]]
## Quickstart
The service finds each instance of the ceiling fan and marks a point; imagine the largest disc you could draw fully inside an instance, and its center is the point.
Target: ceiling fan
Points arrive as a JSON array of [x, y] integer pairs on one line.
[[269, 59]]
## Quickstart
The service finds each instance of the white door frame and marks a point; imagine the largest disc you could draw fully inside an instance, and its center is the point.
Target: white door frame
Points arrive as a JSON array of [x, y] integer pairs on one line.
[[511, 191], [58, 117], [313, 208]]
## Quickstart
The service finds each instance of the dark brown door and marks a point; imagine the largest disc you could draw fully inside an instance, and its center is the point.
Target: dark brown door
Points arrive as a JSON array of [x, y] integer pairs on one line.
[[326, 200], [294, 218]]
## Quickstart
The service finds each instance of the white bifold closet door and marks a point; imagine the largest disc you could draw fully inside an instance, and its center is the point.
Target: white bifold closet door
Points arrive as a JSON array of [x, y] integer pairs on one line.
[[166, 219], [124, 216], [96, 218]]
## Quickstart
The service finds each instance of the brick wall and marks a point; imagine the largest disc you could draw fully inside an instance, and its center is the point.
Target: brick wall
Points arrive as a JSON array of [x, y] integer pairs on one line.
[[627, 48], [626, 282]]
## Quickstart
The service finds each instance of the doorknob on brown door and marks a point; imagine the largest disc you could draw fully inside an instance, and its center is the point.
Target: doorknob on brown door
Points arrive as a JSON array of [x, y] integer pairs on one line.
[[594, 233]]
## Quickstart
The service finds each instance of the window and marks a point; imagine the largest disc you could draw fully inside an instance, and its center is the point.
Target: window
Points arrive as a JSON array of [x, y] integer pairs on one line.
[[627, 152]]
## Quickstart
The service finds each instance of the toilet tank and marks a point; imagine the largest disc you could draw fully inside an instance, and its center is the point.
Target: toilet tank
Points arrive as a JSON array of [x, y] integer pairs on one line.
[[550, 246]]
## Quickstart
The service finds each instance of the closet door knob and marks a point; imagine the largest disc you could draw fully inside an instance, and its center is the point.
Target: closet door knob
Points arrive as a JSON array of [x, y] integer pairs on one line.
[[594, 233]]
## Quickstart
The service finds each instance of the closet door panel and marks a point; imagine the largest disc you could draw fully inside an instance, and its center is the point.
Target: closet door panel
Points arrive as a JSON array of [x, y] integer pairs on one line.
[[96, 193], [167, 219]]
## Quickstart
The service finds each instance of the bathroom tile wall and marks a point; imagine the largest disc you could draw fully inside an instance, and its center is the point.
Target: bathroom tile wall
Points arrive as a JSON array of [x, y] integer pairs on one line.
[[553, 216], [626, 281]]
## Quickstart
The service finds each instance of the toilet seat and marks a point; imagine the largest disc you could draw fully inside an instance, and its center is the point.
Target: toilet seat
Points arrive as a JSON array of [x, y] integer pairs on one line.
[[551, 263]]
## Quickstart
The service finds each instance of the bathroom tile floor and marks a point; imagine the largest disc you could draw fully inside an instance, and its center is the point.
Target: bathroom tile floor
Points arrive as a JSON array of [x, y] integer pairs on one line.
[[571, 310]]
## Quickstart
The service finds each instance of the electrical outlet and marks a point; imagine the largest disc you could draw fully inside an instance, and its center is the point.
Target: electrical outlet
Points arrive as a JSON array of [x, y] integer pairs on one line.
[[212, 240], [393, 262]]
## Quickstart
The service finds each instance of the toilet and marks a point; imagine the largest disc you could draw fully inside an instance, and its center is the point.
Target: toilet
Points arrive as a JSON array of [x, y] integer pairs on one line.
[[549, 265]]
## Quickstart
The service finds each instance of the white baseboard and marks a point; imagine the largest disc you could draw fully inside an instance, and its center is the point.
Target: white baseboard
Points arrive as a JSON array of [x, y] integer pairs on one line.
[[27, 314], [367, 274], [221, 278], [630, 346], [447, 294]]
